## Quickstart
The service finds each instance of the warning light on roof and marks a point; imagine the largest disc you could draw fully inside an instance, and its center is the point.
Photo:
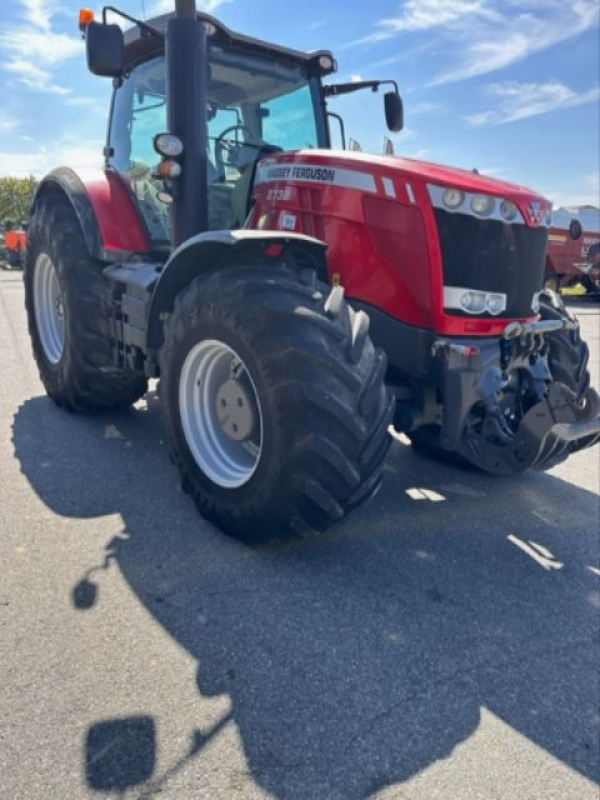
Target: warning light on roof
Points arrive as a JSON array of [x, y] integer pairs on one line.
[[86, 15]]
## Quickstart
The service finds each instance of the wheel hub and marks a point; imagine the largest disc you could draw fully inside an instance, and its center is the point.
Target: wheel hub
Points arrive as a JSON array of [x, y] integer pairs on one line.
[[49, 308], [235, 410], [220, 413]]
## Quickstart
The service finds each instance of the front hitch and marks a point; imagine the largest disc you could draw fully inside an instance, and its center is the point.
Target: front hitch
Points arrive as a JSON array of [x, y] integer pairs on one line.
[[520, 329], [548, 433]]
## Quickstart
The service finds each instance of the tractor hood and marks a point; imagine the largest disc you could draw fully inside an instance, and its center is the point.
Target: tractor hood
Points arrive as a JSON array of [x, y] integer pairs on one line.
[[434, 173], [394, 176]]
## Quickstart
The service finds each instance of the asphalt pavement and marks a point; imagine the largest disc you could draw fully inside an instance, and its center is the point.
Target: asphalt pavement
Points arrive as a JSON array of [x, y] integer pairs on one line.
[[440, 643]]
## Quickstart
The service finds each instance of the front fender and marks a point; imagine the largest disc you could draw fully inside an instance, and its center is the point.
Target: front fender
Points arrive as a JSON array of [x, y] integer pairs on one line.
[[106, 211], [222, 249]]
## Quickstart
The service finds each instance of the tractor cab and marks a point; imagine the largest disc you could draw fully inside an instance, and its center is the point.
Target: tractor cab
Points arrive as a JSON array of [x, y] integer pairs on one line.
[[254, 107], [258, 99]]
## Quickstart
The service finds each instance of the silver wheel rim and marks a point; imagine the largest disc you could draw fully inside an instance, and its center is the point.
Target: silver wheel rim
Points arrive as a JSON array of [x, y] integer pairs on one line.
[[207, 367], [49, 308]]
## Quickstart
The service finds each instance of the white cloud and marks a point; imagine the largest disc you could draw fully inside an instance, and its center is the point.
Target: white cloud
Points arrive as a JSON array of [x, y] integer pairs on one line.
[[33, 49], [41, 159], [426, 107], [167, 6], [420, 15], [420, 155], [480, 37], [38, 12], [86, 102], [566, 199], [518, 101], [9, 124], [34, 77], [356, 78]]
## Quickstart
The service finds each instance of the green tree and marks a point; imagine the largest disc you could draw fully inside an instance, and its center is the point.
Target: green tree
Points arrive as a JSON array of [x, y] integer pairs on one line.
[[16, 195]]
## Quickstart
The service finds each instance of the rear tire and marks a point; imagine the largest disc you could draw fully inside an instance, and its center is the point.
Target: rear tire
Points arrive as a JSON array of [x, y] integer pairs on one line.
[[320, 407], [68, 315]]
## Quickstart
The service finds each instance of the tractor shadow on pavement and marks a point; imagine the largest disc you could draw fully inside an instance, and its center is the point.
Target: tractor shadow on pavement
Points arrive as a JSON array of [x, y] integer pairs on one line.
[[354, 661]]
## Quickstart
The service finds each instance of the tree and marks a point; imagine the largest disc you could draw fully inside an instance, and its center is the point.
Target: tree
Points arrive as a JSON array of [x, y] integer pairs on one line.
[[16, 196]]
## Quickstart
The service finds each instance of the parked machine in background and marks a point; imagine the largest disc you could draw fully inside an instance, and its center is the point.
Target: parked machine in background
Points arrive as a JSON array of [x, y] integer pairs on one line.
[[573, 255], [15, 246], [294, 300]]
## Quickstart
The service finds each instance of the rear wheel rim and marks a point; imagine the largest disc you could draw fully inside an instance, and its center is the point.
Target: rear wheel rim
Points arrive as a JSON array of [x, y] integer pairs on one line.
[[207, 367], [49, 308]]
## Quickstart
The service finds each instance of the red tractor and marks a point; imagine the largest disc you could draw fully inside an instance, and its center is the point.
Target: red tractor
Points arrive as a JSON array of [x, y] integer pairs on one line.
[[211, 252]]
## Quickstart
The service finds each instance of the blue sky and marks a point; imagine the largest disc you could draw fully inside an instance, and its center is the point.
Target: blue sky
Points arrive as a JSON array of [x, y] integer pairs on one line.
[[511, 88]]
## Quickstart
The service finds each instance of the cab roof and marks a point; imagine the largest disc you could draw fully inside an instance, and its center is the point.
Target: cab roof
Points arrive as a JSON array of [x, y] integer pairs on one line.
[[139, 44]]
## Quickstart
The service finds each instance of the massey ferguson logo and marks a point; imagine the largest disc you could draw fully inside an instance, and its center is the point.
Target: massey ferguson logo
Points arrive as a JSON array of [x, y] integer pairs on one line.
[[535, 212]]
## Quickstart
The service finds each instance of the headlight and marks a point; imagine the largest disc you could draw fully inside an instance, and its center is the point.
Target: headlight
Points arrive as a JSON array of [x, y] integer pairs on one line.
[[495, 304], [474, 301], [508, 210], [482, 204], [168, 145], [453, 198]]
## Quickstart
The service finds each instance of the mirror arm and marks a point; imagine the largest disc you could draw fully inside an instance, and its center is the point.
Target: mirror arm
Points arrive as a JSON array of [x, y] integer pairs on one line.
[[142, 25], [391, 83], [333, 90], [342, 127]]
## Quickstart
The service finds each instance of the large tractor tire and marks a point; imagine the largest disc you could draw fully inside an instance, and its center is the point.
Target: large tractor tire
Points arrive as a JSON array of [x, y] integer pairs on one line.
[[68, 315], [568, 358], [568, 354], [275, 406]]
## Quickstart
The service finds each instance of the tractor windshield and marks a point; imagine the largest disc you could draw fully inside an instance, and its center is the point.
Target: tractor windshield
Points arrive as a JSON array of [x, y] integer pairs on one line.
[[255, 106]]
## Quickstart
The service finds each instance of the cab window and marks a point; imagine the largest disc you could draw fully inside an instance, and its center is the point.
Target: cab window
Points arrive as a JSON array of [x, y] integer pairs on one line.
[[255, 106]]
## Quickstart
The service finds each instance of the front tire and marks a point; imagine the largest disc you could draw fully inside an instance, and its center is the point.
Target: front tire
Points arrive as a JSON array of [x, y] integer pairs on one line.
[[568, 359], [68, 315], [568, 354], [275, 407]]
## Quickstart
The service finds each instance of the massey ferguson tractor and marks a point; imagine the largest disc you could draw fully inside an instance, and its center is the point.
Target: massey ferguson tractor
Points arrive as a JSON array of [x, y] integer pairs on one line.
[[295, 301]]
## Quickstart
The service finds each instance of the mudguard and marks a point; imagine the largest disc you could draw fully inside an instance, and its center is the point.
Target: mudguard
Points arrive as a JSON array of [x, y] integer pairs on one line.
[[105, 208], [222, 249]]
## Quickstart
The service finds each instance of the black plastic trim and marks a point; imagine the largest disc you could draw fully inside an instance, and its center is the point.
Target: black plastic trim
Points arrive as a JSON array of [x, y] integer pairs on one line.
[[72, 186], [218, 250], [407, 347]]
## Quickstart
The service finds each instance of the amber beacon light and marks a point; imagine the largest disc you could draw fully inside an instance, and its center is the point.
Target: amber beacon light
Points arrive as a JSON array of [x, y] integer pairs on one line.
[[86, 15]]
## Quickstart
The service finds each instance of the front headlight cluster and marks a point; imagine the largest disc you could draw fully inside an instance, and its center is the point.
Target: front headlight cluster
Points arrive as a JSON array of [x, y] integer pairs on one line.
[[484, 206], [474, 301]]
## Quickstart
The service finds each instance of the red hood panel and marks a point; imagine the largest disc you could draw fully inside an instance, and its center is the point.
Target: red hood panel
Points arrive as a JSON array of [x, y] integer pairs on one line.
[[423, 170]]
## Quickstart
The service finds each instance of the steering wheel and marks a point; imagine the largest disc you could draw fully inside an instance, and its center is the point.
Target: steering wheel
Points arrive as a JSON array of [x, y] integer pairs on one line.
[[226, 152]]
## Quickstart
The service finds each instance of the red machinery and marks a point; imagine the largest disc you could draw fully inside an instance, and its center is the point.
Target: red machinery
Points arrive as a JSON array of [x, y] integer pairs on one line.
[[211, 252], [573, 256]]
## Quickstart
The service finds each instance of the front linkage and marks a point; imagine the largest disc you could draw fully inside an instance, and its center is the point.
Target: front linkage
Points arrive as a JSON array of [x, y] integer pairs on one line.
[[504, 408]]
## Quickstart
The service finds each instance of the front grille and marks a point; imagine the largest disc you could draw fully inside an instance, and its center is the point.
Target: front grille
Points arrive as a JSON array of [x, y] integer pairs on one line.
[[493, 256]]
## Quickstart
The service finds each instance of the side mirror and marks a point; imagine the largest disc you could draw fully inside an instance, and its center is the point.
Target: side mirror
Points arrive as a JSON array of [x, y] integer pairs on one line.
[[394, 111], [575, 229], [105, 49]]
